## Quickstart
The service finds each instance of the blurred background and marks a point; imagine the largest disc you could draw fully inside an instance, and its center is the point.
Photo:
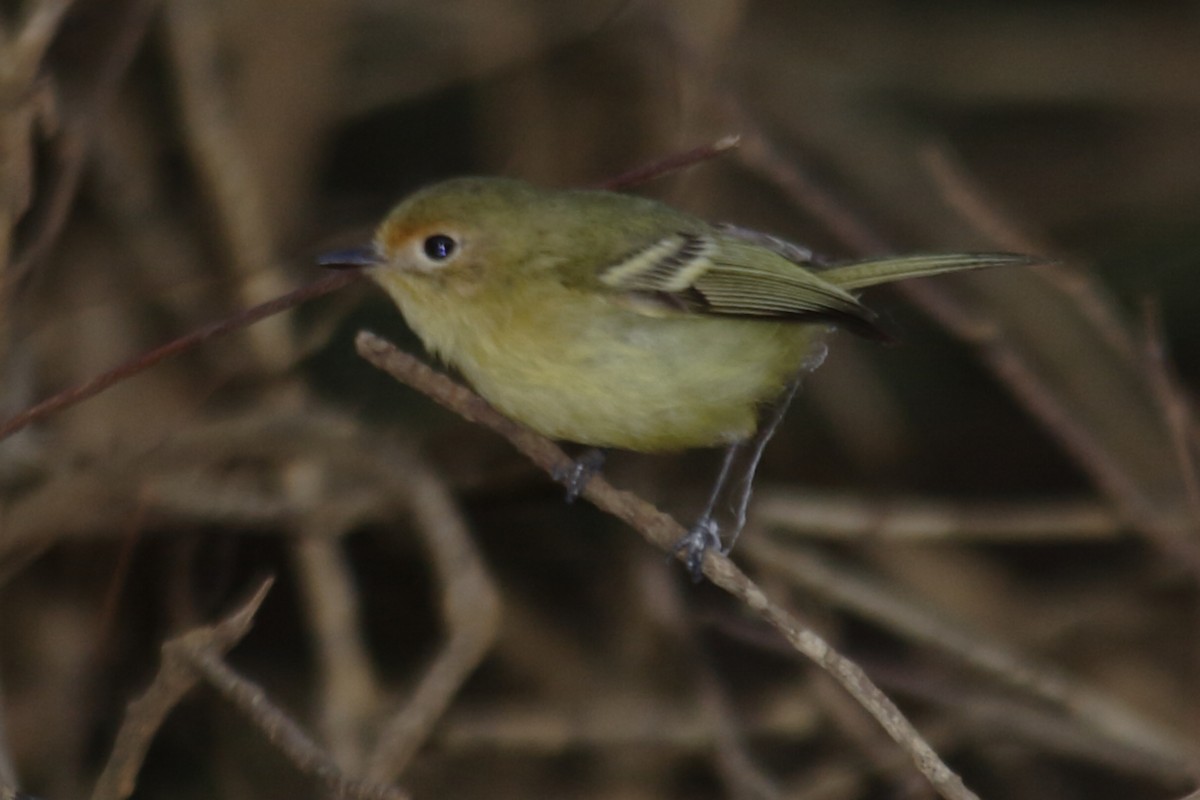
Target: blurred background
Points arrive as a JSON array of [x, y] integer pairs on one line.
[[997, 518]]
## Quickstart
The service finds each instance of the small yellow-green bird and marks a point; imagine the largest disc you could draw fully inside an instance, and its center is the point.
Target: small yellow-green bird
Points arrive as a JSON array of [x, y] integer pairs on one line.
[[618, 322]]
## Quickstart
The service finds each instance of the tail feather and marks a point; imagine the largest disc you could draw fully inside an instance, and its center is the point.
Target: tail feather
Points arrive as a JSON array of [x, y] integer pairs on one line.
[[874, 271]]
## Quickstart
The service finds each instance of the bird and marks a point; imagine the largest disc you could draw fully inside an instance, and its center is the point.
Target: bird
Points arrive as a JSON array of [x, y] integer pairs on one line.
[[612, 320]]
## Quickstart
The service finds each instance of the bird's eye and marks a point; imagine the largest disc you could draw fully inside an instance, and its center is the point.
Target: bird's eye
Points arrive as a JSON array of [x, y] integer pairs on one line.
[[439, 247]]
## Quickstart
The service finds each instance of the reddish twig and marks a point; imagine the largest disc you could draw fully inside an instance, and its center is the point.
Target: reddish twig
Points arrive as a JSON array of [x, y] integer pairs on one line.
[[672, 163], [95, 386]]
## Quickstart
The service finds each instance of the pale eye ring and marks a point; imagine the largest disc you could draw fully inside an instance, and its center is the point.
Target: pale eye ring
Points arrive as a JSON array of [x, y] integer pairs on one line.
[[439, 247]]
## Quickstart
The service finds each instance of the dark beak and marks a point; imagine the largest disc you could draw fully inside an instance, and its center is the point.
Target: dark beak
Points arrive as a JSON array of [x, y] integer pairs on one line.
[[350, 258]]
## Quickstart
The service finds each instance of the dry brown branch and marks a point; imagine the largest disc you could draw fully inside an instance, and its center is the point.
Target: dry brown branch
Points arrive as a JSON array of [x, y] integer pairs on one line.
[[280, 729], [8, 772], [227, 171], [850, 721], [24, 104], [176, 677], [664, 532], [1062, 420], [615, 720], [470, 609], [970, 201], [1052, 404], [269, 127], [742, 775], [759, 155], [183, 480], [1177, 409], [889, 607], [853, 517], [983, 716], [37, 30], [349, 691], [75, 139]]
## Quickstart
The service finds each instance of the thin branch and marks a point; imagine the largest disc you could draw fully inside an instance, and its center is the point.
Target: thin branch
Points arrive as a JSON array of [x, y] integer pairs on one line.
[[991, 716], [1175, 405], [1011, 366], [26, 100], [894, 611], [224, 165], [95, 386], [350, 692], [670, 164], [1090, 452], [176, 677], [759, 155], [470, 607], [75, 141], [825, 515], [969, 199], [280, 729], [743, 776], [664, 532], [963, 194], [8, 771], [38, 30]]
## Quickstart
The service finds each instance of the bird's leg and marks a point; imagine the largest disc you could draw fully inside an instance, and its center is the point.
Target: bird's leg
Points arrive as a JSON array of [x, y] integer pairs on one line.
[[706, 532], [764, 434], [576, 476]]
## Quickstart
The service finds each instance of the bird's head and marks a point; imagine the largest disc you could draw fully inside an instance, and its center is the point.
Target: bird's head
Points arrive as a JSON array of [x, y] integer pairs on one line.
[[454, 234]]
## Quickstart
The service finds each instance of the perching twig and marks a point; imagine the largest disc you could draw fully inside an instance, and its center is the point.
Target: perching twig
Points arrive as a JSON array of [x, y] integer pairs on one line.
[[663, 532]]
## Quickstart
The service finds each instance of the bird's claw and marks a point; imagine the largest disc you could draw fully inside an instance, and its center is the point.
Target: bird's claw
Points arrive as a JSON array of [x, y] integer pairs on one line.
[[704, 535], [581, 470]]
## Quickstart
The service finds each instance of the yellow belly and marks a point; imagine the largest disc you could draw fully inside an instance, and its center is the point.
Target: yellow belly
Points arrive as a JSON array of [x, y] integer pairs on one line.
[[591, 372]]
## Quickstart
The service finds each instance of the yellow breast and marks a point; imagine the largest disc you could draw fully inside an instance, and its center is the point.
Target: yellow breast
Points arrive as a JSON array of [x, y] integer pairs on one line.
[[582, 368]]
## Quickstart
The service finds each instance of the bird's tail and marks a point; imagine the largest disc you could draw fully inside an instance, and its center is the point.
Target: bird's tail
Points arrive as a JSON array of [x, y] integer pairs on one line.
[[874, 271]]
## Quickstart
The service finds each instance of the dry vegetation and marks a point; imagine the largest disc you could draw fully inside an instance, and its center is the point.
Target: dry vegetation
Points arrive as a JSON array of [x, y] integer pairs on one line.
[[998, 521]]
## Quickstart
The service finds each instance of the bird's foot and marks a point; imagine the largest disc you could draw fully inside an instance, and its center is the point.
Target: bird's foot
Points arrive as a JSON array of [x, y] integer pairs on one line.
[[576, 476], [705, 534]]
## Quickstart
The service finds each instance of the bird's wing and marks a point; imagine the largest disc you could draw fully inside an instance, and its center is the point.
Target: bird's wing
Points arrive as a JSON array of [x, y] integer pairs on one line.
[[712, 273]]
